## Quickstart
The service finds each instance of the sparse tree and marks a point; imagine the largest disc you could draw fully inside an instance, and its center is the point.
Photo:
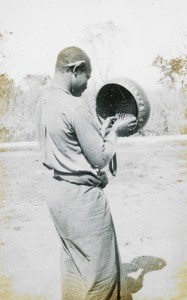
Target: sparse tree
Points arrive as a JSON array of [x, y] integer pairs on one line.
[[173, 71], [105, 40], [6, 91]]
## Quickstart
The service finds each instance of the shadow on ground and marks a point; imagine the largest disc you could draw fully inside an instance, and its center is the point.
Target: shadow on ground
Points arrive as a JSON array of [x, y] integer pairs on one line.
[[144, 264]]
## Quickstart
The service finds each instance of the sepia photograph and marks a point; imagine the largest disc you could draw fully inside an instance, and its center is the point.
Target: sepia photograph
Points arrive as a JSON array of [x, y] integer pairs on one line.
[[93, 150]]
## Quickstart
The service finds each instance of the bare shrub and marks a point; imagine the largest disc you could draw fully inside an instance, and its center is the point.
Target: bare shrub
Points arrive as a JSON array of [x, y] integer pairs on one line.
[[20, 120], [167, 111]]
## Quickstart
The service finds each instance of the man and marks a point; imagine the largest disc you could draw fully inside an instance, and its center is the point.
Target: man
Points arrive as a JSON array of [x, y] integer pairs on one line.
[[75, 148]]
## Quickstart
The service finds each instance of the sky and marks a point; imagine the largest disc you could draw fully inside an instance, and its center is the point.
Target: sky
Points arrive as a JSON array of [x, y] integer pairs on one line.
[[41, 28]]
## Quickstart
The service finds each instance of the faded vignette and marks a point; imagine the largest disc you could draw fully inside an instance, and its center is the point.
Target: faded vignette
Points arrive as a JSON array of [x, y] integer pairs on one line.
[[147, 196]]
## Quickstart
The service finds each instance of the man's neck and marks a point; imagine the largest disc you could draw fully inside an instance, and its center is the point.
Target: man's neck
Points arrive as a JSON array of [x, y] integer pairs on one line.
[[62, 81]]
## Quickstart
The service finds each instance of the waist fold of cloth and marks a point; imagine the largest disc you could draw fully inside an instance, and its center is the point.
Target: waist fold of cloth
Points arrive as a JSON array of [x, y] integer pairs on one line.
[[80, 178]]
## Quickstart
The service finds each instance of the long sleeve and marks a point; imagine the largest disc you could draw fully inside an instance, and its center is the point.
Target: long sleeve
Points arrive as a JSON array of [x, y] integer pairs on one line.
[[97, 151]]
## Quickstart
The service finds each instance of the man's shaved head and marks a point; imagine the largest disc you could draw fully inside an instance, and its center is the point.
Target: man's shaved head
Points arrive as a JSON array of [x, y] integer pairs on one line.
[[70, 56]]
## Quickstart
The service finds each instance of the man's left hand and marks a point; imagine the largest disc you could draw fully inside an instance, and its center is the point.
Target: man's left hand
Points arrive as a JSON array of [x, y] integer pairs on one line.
[[103, 178]]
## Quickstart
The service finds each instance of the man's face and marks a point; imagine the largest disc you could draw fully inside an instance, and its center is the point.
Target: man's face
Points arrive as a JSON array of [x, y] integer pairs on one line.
[[79, 82]]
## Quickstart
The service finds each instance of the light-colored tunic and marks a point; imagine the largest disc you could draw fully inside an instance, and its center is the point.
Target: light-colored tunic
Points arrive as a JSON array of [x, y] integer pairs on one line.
[[73, 146], [69, 137]]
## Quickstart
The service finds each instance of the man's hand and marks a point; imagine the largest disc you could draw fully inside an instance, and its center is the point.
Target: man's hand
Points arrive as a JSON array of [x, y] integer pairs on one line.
[[103, 178], [124, 124], [107, 125]]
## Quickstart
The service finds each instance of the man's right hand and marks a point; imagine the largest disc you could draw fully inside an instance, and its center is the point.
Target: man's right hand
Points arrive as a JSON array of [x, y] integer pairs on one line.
[[124, 124]]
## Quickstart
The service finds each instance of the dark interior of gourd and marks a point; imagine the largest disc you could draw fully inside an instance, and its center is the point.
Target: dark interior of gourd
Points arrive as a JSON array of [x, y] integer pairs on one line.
[[113, 99]]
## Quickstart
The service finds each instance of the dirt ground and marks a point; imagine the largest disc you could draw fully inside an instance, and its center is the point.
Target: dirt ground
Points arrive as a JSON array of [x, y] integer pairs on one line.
[[148, 201]]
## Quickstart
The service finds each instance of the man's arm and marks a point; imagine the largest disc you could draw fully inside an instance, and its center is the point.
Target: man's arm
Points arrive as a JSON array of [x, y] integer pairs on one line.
[[97, 150]]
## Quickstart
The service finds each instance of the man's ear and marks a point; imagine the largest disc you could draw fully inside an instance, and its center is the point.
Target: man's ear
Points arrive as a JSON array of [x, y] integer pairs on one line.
[[77, 66]]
